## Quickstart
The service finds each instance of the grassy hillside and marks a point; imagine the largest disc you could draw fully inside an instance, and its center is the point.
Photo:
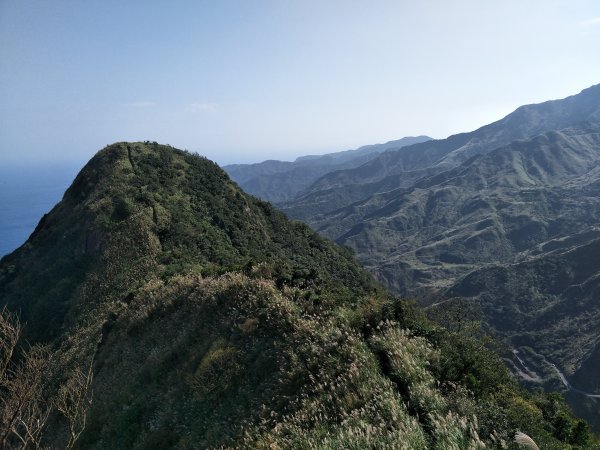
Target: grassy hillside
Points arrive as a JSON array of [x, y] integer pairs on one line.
[[214, 321], [518, 224]]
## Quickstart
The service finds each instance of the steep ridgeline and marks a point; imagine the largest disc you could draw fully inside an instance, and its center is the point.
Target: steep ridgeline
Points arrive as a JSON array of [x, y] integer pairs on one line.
[[402, 169], [520, 224], [214, 321], [279, 181]]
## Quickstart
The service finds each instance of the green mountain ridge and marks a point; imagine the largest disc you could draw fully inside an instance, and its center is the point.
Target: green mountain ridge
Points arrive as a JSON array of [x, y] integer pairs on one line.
[[528, 202], [402, 169], [507, 196], [213, 321]]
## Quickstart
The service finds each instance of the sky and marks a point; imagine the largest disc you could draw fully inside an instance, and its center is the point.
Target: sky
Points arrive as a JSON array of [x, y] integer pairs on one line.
[[248, 80]]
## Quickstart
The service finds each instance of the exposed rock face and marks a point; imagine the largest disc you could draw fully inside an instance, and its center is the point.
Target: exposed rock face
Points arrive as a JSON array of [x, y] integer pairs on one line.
[[94, 241]]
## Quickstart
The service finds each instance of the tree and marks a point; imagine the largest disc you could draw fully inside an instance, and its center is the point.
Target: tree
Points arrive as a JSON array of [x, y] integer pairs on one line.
[[581, 434], [457, 315], [28, 395], [10, 330], [25, 407], [74, 400]]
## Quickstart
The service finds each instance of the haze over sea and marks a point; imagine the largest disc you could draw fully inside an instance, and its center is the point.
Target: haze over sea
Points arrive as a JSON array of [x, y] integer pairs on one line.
[[26, 194]]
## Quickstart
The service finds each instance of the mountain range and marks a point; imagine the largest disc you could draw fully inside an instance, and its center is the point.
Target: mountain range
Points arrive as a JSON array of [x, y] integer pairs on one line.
[[204, 318], [404, 168], [279, 181], [505, 216]]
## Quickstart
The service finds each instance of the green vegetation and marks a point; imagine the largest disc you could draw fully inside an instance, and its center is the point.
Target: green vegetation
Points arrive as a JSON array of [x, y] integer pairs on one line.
[[214, 321], [199, 375], [36, 389], [514, 230]]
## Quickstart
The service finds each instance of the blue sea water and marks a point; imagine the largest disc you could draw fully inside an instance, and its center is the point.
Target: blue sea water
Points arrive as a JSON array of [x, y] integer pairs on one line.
[[27, 192]]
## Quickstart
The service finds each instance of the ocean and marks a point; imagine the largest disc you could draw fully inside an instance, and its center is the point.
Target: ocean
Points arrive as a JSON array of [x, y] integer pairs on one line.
[[27, 192]]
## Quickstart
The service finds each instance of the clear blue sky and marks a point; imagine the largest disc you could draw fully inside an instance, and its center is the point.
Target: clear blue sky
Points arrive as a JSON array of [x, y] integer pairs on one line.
[[245, 80]]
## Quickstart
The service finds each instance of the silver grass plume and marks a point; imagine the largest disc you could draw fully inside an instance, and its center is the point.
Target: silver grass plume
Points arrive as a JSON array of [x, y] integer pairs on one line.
[[526, 441]]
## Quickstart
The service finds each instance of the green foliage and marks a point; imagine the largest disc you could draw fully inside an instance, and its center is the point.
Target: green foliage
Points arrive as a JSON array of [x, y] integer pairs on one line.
[[216, 371], [123, 208], [216, 321]]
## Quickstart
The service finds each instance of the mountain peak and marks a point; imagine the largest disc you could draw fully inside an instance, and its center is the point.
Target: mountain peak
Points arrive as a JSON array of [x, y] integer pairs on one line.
[[140, 210], [213, 321]]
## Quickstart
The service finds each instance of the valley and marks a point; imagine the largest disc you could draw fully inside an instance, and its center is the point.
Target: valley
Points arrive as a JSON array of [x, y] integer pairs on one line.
[[506, 217]]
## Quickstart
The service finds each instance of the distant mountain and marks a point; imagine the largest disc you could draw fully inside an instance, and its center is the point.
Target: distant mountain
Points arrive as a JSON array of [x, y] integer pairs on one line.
[[279, 181], [215, 322], [485, 210], [499, 216], [394, 169]]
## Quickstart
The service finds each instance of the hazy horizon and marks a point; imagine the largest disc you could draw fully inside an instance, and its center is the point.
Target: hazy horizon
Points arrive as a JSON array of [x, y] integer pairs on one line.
[[243, 82]]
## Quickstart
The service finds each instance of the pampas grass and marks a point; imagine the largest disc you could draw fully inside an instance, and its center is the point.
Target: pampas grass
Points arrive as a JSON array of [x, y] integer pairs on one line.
[[526, 441]]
